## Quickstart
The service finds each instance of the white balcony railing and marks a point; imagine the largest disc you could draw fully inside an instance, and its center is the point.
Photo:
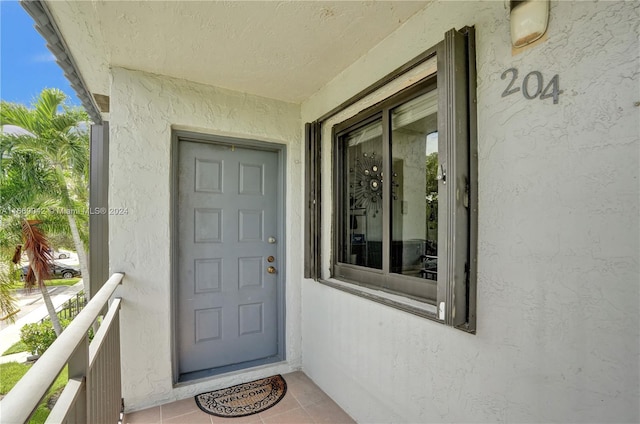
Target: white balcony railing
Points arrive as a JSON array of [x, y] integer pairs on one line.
[[93, 393]]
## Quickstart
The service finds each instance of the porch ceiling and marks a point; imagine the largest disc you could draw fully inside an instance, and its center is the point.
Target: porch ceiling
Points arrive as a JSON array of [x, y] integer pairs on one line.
[[281, 50]]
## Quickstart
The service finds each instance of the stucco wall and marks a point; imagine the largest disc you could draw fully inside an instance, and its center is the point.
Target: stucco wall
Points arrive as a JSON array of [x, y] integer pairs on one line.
[[144, 108], [558, 299]]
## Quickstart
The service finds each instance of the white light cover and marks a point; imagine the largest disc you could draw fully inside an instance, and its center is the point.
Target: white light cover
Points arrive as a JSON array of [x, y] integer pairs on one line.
[[529, 21]]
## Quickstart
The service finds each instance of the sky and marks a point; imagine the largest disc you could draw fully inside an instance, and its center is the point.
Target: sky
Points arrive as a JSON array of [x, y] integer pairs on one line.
[[26, 65]]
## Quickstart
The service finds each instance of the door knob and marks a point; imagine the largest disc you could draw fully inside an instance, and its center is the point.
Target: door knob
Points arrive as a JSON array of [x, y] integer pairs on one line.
[[271, 270]]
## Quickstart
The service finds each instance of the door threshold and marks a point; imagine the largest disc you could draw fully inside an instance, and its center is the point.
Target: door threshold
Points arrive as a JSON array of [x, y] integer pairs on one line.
[[196, 376]]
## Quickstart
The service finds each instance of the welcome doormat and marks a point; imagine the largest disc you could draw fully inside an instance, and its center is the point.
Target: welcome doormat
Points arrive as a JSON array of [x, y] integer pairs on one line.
[[243, 399]]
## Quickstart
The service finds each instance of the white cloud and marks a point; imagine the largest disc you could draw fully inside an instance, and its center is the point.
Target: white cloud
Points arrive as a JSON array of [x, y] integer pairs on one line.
[[44, 57], [14, 130], [432, 143]]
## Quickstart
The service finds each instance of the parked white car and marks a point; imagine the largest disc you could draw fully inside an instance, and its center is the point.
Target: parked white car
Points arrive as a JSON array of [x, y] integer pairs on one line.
[[57, 254]]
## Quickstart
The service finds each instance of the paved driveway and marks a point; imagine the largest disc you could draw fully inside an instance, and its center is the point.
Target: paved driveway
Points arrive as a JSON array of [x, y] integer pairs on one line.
[[32, 309]]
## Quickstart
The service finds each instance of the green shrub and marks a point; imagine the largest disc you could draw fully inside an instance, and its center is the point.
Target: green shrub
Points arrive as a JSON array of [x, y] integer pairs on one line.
[[39, 336]]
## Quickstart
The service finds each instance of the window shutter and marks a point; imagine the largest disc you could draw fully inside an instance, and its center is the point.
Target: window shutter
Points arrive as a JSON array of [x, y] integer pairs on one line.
[[455, 121], [312, 198]]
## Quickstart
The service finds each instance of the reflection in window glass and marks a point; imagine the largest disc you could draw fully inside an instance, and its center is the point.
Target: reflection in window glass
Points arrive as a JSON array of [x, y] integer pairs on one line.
[[362, 235], [414, 202]]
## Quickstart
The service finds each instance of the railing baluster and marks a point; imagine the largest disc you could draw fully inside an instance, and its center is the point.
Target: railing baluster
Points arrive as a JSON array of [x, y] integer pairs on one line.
[[106, 345]]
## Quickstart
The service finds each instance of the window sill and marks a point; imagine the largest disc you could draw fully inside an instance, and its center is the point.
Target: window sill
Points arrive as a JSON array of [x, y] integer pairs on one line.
[[405, 304]]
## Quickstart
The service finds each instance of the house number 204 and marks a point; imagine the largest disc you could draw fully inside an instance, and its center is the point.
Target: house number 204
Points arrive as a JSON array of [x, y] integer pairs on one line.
[[532, 85]]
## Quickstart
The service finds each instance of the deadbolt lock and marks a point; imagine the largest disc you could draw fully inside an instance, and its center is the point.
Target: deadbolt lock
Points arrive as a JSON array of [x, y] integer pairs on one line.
[[271, 259], [271, 270]]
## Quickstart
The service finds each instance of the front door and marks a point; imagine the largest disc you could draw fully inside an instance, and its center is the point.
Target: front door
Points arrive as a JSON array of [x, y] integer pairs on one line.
[[227, 280]]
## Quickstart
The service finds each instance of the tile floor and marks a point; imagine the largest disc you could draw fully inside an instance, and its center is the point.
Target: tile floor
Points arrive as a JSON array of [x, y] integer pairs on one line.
[[304, 402]]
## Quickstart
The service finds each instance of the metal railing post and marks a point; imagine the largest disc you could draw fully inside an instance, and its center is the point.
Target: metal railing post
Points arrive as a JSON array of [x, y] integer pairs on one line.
[[79, 369]]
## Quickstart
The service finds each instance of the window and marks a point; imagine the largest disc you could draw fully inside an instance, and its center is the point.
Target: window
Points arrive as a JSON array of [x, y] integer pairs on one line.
[[405, 191]]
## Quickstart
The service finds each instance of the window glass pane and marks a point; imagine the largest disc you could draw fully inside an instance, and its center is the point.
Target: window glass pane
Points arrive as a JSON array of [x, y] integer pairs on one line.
[[414, 200], [362, 232]]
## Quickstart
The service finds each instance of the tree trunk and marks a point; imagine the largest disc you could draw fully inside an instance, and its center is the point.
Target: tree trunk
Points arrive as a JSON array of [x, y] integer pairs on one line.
[[46, 298], [50, 308], [82, 255]]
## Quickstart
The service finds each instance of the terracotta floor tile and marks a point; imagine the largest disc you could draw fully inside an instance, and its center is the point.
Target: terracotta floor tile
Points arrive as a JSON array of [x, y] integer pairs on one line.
[[305, 391], [196, 417], [287, 403], [181, 407], [328, 412], [145, 416], [294, 416], [304, 402], [297, 377], [249, 419]]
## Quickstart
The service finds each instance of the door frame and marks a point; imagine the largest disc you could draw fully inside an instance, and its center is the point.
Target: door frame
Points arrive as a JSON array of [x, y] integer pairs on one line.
[[178, 136]]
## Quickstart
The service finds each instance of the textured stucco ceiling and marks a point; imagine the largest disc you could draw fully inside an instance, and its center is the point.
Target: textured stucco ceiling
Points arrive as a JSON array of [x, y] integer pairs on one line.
[[282, 50]]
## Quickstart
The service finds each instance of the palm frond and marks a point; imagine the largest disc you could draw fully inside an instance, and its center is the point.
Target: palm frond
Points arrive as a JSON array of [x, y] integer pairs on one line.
[[10, 235], [8, 142], [68, 120], [46, 107], [25, 176], [16, 114], [8, 307], [17, 254], [37, 246]]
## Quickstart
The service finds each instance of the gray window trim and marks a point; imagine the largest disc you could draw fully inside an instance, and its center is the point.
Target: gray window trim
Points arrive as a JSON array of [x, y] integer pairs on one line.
[[473, 186], [413, 63], [358, 289], [455, 160], [458, 287], [380, 279], [313, 198]]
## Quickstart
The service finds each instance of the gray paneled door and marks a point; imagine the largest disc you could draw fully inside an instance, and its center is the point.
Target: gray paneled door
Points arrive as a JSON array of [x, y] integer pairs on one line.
[[227, 308]]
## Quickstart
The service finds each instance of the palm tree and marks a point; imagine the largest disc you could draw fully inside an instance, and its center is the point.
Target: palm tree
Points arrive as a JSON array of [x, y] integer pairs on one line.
[[26, 185], [54, 132]]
